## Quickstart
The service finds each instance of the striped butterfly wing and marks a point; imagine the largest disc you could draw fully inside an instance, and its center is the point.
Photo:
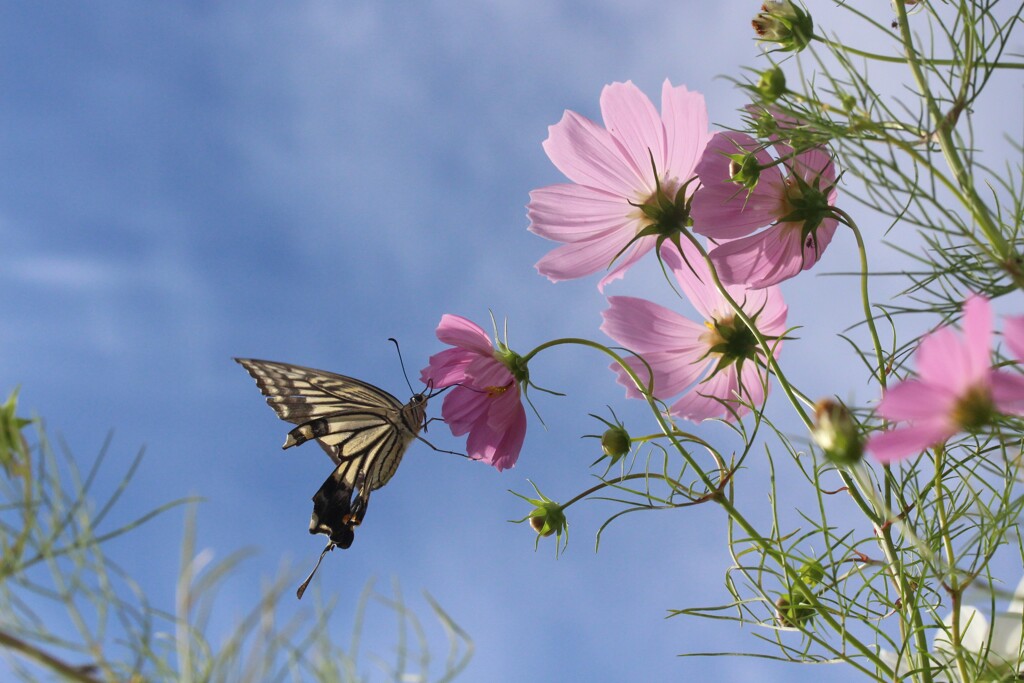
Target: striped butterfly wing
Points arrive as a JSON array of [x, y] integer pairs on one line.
[[364, 429]]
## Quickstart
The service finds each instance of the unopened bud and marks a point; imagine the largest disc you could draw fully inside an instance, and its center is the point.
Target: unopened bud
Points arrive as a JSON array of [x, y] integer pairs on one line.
[[744, 170], [785, 24], [837, 433], [615, 442], [548, 519], [771, 85], [793, 613]]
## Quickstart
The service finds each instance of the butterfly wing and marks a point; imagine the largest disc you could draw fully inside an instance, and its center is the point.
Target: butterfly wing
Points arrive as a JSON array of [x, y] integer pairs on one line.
[[364, 429], [342, 413]]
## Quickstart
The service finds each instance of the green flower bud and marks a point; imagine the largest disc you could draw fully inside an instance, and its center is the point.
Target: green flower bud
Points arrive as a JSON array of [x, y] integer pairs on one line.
[[548, 519], [837, 433], [793, 613], [771, 85], [615, 442], [785, 24], [744, 170]]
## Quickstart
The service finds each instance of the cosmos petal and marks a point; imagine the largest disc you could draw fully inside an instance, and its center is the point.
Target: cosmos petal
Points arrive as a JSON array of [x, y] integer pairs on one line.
[[633, 121], [906, 441], [589, 155]]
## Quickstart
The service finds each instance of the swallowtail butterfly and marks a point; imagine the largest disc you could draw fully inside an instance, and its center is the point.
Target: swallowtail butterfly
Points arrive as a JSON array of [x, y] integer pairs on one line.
[[363, 429]]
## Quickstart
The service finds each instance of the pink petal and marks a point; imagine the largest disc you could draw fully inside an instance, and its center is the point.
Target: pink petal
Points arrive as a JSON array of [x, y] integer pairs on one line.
[[771, 310], [486, 372], [674, 372], [694, 278], [498, 448], [916, 400], [944, 360], [722, 209], [574, 213], [695, 281], [626, 260], [977, 325], [462, 408], [906, 441], [644, 326], [686, 130], [446, 368], [504, 408], [1013, 335], [634, 122], [704, 401], [767, 258], [752, 386], [588, 154], [578, 259], [455, 330], [814, 165], [1007, 392]]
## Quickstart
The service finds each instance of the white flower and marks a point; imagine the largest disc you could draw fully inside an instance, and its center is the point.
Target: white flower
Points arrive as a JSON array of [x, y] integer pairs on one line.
[[1001, 643]]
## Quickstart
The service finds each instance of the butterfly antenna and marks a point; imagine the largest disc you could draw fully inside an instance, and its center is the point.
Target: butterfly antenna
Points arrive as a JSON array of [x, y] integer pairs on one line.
[[302, 588], [402, 363]]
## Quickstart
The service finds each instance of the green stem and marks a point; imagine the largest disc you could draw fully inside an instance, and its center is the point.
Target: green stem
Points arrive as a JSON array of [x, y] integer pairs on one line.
[[943, 134], [902, 60], [955, 590], [615, 482], [74, 673], [865, 297]]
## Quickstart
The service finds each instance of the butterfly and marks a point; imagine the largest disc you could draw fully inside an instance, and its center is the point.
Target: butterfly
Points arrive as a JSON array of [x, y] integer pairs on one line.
[[362, 428]]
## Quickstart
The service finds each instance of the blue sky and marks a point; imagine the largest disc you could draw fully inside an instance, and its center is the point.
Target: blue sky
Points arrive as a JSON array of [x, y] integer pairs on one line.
[[300, 181]]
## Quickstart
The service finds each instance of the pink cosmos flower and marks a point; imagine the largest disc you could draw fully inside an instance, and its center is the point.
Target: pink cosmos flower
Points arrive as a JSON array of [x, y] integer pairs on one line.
[[956, 389], [718, 363], [791, 197], [486, 402], [628, 178]]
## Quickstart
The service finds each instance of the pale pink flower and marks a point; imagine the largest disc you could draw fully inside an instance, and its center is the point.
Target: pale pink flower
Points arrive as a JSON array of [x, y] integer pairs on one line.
[[718, 362], [791, 196], [956, 389], [486, 403], [638, 159]]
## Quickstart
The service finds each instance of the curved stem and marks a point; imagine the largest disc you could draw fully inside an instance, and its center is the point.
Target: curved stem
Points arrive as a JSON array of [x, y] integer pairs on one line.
[[865, 297]]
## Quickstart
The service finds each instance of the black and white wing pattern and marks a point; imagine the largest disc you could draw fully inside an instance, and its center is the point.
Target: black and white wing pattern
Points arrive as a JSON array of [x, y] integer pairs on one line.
[[364, 429]]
